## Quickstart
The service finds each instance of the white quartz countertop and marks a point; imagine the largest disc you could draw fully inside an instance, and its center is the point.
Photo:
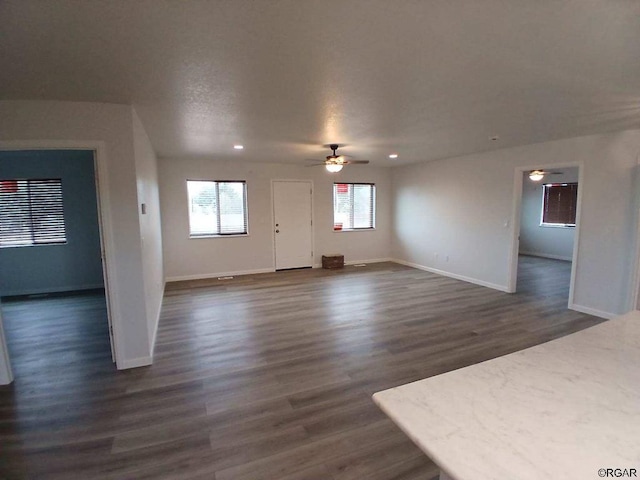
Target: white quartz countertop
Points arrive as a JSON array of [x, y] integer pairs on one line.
[[561, 410]]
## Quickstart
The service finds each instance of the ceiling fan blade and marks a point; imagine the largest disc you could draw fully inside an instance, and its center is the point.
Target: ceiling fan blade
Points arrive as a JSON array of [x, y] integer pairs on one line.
[[353, 162], [315, 164], [337, 145], [555, 173], [335, 159]]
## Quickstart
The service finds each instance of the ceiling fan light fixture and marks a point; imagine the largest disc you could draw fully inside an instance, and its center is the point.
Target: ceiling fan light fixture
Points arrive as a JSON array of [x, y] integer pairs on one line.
[[333, 167], [536, 175]]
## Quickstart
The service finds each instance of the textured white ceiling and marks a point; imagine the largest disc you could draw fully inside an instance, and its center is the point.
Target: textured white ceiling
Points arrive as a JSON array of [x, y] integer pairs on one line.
[[424, 78]]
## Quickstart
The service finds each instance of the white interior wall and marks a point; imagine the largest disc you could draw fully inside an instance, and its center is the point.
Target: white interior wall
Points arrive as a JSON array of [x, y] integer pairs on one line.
[[196, 258], [449, 215], [539, 240], [150, 225], [49, 124], [462, 208]]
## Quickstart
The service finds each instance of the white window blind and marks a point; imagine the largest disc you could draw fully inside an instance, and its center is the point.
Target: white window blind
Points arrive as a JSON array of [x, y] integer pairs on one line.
[[217, 208], [354, 206], [31, 212]]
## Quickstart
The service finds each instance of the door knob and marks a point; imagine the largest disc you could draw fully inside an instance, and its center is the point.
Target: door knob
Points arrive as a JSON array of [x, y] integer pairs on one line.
[[277, 231]]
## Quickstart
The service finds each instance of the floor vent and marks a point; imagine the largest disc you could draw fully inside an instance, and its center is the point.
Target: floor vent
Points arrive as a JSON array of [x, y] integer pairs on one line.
[[360, 265], [225, 278]]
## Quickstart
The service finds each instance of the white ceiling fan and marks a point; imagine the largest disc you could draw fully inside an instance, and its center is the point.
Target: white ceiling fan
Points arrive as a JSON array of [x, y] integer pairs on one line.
[[335, 162], [537, 175]]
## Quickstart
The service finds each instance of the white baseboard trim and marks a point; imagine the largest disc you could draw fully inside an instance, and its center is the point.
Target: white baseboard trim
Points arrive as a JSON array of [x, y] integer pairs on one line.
[[372, 260], [358, 262], [203, 276], [444, 273], [545, 255], [42, 291], [592, 311], [135, 363]]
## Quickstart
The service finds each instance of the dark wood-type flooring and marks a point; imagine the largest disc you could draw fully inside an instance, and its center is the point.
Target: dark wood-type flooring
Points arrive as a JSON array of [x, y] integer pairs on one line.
[[261, 377]]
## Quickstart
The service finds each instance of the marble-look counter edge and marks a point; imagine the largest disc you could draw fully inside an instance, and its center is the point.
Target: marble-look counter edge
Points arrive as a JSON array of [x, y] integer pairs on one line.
[[398, 401]]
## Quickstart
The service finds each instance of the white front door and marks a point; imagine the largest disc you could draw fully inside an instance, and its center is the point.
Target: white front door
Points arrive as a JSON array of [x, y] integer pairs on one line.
[[292, 224]]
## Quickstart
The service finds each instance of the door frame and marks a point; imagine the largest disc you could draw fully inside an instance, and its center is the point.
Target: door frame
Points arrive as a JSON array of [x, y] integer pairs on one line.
[[515, 222], [273, 218], [105, 226], [634, 301], [6, 375]]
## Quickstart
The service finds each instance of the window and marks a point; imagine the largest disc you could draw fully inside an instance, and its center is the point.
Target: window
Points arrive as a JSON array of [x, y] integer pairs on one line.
[[354, 206], [217, 208], [559, 204], [31, 212]]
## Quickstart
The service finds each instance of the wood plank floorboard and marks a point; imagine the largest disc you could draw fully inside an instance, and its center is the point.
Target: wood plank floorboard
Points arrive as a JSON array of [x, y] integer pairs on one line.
[[263, 377]]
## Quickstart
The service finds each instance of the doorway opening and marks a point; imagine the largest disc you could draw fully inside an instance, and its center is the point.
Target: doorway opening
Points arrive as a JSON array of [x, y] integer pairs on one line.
[[546, 232], [53, 278]]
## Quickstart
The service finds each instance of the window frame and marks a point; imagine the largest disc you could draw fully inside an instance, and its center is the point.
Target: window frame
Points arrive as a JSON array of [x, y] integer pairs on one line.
[[545, 224], [34, 229], [352, 212], [219, 234]]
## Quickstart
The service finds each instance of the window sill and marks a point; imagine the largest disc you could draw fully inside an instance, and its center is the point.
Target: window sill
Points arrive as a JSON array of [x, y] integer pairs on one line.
[[36, 245], [233, 235], [354, 230], [556, 225]]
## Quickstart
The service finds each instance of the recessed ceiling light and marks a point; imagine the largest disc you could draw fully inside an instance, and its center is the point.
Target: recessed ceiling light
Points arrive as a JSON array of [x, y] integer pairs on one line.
[[393, 155], [238, 147]]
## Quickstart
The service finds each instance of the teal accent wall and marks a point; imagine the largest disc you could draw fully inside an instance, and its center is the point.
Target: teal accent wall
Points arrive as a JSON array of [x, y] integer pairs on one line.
[[76, 265]]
